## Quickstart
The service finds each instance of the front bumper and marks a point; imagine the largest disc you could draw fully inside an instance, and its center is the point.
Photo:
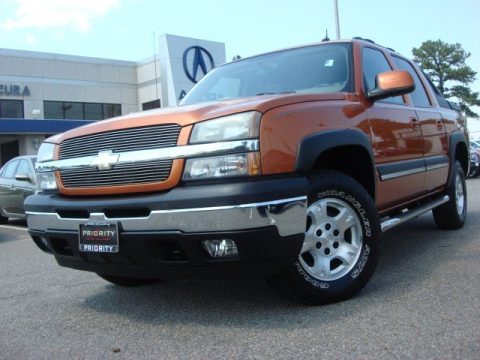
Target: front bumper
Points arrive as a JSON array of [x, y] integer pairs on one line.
[[161, 234]]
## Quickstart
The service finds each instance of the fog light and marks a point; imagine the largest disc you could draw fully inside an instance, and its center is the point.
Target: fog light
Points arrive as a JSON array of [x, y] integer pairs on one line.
[[220, 248]]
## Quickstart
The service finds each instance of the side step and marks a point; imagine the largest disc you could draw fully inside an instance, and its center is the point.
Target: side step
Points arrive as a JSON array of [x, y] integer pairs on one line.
[[397, 220]]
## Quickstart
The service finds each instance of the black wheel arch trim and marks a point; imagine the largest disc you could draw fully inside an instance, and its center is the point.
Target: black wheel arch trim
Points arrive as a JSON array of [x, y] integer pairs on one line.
[[312, 146], [456, 137]]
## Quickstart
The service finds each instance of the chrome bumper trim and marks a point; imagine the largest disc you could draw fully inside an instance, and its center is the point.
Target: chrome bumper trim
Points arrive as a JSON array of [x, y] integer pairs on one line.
[[288, 215], [170, 153]]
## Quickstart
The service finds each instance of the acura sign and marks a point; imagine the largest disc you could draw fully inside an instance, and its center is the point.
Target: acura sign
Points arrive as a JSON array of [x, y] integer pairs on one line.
[[14, 90], [197, 59]]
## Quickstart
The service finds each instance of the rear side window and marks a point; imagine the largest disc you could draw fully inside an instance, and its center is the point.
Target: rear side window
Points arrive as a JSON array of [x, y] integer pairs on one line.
[[438, 95], [419, 96], [374, 63], [9, 170]]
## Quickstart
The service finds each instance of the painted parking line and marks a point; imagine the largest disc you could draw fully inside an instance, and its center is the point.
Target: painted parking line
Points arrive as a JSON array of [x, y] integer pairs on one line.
[[13, 227]]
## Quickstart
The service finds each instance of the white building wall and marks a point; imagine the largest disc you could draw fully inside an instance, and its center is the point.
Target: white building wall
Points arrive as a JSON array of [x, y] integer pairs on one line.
[[149, 81], [53, 77]]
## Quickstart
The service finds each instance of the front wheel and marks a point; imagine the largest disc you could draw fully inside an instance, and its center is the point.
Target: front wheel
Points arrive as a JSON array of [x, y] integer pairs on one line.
[[128, 282], [341, 246]]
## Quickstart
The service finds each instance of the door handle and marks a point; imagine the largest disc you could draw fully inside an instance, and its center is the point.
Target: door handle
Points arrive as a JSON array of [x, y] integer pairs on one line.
[[12, 187], [414, 123]]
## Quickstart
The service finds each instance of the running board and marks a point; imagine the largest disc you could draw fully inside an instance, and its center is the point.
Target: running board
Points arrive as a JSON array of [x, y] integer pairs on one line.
[[395, 221]]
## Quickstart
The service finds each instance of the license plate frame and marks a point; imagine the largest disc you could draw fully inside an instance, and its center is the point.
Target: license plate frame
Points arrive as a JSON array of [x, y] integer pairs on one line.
[[98, 237]]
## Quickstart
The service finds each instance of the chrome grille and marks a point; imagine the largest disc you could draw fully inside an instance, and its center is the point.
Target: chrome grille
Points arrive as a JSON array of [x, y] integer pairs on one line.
[[136, 173], [143, 138]]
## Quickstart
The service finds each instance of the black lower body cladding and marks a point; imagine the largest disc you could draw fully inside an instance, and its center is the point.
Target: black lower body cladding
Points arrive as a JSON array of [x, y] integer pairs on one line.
[[161, 234]]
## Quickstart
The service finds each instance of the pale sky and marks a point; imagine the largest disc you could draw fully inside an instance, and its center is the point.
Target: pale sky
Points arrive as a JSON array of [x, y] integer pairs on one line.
[[123, 29]]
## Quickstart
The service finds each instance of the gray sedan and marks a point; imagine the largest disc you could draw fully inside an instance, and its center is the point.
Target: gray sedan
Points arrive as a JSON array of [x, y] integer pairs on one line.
[[17, 181]]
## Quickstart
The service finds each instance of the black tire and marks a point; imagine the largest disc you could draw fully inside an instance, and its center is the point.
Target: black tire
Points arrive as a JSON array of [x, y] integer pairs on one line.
[[3, 219], [128, 282], [335, 190], [449, 215]]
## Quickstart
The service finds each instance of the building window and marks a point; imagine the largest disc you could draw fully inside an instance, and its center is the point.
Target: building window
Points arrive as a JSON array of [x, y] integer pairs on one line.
[[80, 110], [155, 104], [93, 111], [12, 109], [111, 110]]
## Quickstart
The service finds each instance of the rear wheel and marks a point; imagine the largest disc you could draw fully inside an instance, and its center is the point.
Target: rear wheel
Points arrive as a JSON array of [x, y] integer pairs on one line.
[[3, 219], [453, 213], [128, 282], [341, 246]]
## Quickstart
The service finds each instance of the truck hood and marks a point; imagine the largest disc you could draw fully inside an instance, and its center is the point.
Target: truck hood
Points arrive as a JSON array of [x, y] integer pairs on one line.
[[190, 114]]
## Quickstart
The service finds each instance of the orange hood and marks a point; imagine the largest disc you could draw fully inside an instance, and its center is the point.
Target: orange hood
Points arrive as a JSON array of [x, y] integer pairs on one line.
[[191, 114]]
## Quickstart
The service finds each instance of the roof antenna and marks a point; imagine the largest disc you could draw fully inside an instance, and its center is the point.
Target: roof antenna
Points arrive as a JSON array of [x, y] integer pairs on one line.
[[326, 36]]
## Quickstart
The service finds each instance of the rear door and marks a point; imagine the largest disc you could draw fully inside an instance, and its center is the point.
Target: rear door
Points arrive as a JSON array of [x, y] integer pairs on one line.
[[397, 139], [433, 129]]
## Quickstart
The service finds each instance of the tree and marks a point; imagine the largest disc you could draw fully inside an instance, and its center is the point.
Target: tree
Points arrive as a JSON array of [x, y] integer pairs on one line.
[[445, 65]]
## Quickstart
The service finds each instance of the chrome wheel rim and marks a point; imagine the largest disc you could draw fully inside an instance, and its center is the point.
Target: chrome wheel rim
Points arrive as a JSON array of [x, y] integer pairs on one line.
[[333, 240], [459, 194]]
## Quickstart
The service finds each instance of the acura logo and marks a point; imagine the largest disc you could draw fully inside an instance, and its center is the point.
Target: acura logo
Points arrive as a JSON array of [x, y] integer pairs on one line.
[[201, 60], [105, 160]]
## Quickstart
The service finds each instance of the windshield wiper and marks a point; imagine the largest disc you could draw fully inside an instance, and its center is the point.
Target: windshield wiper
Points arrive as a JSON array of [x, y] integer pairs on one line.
[[274, 93]]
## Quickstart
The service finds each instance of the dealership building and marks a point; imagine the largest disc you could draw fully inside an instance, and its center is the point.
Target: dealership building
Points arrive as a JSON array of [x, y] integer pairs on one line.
[[42, 94]]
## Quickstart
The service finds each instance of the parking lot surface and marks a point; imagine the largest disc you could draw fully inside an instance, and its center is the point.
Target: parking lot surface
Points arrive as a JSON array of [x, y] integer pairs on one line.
[[422, 303]]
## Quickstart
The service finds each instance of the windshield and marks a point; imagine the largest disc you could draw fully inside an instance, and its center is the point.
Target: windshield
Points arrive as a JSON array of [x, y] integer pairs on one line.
[[313, 69]]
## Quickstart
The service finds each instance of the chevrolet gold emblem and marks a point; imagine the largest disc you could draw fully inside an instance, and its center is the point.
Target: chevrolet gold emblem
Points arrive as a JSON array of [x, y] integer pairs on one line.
[[105, 160]]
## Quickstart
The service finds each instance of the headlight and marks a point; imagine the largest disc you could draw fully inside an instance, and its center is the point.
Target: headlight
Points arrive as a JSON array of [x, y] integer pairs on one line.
[[233, 127], [46, 152], [46, 180], [222, 166]]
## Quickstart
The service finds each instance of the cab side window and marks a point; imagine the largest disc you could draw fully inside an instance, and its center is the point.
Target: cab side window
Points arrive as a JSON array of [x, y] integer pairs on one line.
[[374, 63], [419, 96]]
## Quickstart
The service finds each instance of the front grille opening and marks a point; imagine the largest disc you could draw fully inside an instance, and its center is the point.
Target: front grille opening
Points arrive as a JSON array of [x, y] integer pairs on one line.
[[73, 214], [126, 213], [118, 141], [167, 250], [61, 246]]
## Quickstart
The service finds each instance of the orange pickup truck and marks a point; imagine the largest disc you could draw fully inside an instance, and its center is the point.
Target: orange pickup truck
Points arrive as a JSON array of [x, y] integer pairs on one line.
[[288, 165]]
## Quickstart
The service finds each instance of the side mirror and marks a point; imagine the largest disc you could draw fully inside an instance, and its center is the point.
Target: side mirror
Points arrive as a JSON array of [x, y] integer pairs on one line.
[[391, 83], [23, 177]]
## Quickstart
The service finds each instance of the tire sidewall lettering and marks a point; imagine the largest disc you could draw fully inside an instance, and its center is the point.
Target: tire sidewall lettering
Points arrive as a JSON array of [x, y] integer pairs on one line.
[[314, 282]]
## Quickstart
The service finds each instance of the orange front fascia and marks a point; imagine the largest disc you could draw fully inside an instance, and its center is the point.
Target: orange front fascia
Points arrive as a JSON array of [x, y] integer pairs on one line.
[[172, 181]]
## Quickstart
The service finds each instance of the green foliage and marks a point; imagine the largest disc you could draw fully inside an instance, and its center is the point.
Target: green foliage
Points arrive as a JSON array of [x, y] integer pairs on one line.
[[445, 64]]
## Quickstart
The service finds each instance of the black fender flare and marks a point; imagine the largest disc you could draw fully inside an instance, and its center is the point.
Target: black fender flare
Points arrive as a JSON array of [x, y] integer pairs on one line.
[[312, 146], [456, 138]]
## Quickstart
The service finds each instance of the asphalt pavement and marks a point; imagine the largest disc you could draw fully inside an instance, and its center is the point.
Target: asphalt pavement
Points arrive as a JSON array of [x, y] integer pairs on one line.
[[422, 303]]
